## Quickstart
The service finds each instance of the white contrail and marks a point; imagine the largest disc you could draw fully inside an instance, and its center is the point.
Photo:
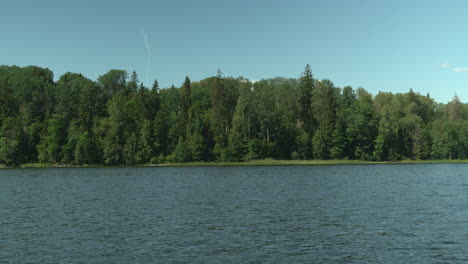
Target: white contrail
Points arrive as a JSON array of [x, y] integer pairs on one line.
[[148, 51]]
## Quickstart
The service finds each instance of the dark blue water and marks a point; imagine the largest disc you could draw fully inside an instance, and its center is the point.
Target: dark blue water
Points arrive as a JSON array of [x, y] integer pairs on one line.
[[277, 214]]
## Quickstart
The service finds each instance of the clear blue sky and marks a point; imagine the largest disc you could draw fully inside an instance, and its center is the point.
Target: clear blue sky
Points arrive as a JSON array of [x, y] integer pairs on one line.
[[379, 45]]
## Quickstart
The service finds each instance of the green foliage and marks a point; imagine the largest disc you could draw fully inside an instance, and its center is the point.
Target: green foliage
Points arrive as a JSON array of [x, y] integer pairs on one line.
[[119, 127], [185, 103], [145, 143], [9, 151], [11, 142], [117, 120], [130, 150], [182, 151], [85, 150], [111, 83], [306, 83], [220, 125], [73, 135], [324, 106], [303, 145], [51, 146], [160, 132], [237, 148], [450, 139], [196, 147], [255, 150]]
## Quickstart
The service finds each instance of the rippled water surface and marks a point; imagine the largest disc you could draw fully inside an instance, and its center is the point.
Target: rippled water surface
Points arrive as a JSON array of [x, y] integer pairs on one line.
[[270, 214]]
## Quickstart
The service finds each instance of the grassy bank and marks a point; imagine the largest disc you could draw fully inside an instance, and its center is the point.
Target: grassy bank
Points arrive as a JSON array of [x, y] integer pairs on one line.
[[310, 162], [265, 162]]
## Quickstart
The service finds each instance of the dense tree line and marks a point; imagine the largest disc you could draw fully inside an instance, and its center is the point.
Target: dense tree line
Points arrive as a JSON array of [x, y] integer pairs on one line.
[[117, 120]]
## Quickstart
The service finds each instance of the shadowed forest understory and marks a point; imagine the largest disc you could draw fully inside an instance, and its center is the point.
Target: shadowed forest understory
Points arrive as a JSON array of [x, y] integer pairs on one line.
[[116, 120]]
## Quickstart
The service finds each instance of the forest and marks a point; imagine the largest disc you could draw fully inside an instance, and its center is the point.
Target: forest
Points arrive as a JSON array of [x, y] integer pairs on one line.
[[116, 120]]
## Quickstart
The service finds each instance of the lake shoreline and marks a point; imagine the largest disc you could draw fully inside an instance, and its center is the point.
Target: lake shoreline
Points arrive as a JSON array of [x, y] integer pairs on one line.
[[266, 162]]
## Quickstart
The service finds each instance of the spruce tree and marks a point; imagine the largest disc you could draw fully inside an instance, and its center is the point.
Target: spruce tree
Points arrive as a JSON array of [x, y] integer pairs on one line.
[[306, 83], [185, 103], [220, 112]]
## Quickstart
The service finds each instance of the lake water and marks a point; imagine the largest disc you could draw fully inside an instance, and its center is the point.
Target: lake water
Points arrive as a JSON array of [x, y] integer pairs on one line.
[[268, 214]]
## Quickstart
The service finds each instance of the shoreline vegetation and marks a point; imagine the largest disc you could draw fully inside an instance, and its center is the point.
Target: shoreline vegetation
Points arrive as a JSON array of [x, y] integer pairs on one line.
[[265, 162], [117, 121]]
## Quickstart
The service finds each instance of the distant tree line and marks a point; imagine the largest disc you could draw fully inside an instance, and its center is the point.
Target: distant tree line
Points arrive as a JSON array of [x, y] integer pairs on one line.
[[117, 120]]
